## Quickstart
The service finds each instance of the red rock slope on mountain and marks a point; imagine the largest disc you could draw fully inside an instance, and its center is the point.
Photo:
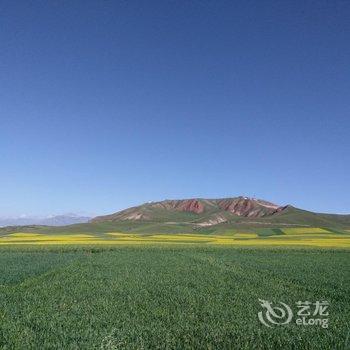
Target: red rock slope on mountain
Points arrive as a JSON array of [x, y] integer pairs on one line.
[[248, 207]]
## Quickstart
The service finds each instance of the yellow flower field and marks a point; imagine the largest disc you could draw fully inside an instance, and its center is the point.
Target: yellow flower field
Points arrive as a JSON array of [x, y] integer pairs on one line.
[[316, 237]]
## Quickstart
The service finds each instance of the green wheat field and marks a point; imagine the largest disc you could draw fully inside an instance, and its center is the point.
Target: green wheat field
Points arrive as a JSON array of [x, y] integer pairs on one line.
[[125, 291]]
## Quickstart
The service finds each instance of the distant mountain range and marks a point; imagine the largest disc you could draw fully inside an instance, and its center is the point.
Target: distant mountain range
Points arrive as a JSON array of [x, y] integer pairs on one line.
[[53, 220]]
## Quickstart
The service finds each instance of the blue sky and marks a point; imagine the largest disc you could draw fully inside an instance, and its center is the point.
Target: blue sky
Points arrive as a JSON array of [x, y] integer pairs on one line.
[[108, 104]]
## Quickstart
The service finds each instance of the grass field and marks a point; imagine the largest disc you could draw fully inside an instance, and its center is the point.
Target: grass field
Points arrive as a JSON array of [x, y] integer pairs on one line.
[[167, 296]]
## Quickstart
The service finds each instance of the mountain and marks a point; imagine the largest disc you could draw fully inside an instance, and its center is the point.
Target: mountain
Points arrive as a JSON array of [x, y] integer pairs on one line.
[[228, 212], [196, 215], [53, 220], [196, 210]]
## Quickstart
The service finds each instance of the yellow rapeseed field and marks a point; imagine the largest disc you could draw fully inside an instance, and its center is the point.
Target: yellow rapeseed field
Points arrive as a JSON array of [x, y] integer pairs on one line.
[[316, 237]]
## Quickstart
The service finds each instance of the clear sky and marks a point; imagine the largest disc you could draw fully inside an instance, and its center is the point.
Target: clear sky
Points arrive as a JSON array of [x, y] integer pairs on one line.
[[108, 104]]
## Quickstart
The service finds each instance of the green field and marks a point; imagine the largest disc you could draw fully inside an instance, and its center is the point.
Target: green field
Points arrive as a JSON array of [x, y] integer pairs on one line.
[[167, 296]]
